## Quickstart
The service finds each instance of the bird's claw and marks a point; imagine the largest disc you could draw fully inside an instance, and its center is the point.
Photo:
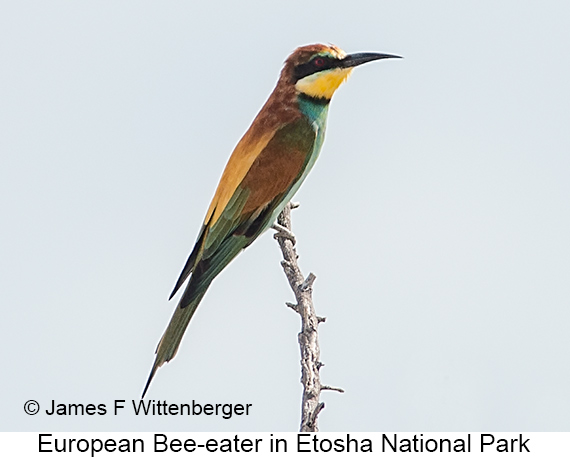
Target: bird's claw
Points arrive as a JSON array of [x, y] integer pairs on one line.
[[283, 232]]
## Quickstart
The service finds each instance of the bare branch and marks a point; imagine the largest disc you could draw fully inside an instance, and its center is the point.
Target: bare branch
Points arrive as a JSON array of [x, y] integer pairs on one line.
[[308, 337]]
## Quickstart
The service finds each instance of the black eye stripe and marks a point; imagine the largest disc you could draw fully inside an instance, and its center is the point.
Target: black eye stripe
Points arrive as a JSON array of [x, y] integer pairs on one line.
[[316, 64]]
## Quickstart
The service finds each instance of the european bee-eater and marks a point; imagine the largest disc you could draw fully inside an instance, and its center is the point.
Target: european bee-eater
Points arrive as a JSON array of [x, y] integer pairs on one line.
[[266, 168]]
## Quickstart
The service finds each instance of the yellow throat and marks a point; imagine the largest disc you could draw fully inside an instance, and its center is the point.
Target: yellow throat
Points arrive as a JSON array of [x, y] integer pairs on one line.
[[323, 84]]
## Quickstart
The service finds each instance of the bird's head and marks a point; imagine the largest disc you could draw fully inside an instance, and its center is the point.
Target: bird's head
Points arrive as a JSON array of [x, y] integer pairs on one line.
[[318, 70]]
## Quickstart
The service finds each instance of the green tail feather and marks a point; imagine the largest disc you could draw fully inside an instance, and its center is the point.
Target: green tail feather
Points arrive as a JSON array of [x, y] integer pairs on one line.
[[170, 341]]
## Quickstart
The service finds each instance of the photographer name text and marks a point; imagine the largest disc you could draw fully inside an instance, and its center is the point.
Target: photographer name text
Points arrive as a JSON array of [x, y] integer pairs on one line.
[[150, 408]]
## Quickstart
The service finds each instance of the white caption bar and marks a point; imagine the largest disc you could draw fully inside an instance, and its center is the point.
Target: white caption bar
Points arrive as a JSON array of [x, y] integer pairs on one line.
[[204, 444]]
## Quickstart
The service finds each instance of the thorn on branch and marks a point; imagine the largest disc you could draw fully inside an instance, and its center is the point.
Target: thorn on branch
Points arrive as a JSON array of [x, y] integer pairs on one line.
[[294, 205], [293, 306], [336, 389], [320, 365], [320, 319], [308, 283], [318, 409], [311, 424]]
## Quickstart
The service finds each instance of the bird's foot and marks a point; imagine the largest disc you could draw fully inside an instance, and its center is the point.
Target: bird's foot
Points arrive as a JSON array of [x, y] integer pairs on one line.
[[283, 232]]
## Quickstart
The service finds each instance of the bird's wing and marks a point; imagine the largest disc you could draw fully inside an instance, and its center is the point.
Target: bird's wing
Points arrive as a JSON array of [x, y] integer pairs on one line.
[[248, 209], [239, 163]]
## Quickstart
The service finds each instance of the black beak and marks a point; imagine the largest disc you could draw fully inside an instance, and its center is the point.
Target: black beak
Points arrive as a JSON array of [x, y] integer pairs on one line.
[[353, 60]]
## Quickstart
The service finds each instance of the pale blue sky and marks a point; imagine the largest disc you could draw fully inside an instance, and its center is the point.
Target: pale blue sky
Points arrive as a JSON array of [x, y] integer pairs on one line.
[[437, 218]]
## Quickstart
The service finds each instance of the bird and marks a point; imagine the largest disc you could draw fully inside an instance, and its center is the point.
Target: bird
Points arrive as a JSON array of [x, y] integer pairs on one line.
[[266, 168]]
